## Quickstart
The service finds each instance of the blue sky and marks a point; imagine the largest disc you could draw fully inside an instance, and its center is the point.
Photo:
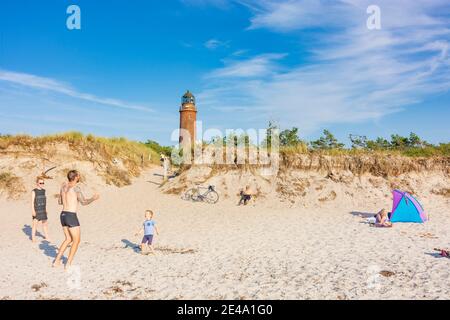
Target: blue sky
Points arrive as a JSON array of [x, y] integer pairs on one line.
[[304, 63]]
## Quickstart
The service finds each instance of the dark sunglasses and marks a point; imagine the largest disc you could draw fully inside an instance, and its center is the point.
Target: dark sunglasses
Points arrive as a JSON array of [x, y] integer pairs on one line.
[[41, 183]]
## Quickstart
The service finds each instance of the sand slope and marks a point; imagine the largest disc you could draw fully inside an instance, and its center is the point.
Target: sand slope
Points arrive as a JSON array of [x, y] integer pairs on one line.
[[262, 251]]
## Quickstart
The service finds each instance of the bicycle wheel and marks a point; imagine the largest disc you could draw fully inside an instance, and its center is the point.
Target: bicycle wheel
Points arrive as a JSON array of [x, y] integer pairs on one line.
[[211, 197], [190, 195]]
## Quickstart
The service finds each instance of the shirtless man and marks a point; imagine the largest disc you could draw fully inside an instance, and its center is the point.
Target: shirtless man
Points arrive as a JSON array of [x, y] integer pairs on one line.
[[70, 195]]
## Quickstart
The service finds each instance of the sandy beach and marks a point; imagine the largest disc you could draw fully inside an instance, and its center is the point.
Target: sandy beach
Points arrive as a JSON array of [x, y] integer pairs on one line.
[[328, 117], [262, 251]]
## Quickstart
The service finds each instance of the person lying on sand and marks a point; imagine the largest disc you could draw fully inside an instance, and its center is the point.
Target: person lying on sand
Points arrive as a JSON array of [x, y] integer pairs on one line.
[[246, 195], [149, 231], [382, 219], [39, 209], [70, 196], [443, 253]]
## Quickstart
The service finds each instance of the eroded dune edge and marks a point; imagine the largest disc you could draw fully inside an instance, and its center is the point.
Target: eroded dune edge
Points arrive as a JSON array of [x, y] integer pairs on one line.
[[303, 237]]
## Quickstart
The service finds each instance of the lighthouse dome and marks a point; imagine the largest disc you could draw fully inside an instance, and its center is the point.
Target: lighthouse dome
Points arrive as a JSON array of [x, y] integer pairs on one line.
[[188, 98]]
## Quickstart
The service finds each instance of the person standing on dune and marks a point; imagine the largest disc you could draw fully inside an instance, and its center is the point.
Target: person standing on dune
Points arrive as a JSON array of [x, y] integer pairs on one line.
[[165, 162], [70, 196]]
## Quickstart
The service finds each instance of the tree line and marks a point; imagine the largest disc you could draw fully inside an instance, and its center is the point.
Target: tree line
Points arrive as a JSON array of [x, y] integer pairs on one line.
[[290, 138]]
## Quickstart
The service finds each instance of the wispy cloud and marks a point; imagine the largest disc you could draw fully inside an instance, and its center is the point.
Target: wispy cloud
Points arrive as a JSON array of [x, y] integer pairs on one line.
[[51, 85], [186, 44], [223, 4], [259, 66], [240, 53], [290, 15], [213, 44], [353, 74]]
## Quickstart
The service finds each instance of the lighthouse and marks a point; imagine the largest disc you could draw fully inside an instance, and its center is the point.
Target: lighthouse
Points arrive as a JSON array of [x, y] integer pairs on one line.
[[188, 118]]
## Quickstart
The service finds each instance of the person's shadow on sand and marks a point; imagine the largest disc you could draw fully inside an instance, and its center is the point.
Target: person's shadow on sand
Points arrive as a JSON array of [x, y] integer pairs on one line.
[[170, 176], [154, 182], [48, 249], [27, 230], [363, 215], [435, 255], [128, 244]]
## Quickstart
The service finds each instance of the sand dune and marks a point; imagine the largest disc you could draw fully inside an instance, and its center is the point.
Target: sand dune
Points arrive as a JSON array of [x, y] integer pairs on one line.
[[267, 250]]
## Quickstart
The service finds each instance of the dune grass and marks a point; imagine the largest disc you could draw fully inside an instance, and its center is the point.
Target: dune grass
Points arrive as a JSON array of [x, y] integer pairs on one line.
[[120, 158], [110, 147], [441, 150], [11, 185]]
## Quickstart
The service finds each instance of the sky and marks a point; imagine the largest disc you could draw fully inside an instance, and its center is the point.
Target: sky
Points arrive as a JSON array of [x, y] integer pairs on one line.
[[309, 64]]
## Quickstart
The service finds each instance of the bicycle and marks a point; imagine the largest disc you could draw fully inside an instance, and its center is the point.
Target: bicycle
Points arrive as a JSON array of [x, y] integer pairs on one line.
[[210, 195]]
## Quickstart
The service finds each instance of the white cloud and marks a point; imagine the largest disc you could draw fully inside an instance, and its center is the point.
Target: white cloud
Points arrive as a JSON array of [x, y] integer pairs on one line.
[[48, 84], [354, 74]]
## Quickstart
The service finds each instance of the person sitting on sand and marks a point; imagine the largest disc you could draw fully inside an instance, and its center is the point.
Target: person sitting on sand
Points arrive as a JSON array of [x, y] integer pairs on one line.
[[149, 231], [39, 209], [382, 219], [70, 196], [246, 195]]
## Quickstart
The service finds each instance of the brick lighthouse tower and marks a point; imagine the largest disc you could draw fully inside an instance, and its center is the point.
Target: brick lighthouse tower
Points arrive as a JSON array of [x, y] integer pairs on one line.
[[188, 117]]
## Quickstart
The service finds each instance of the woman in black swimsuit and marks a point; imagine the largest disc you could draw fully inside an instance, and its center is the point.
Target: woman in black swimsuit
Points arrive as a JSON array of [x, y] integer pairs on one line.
[[39, 209]]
